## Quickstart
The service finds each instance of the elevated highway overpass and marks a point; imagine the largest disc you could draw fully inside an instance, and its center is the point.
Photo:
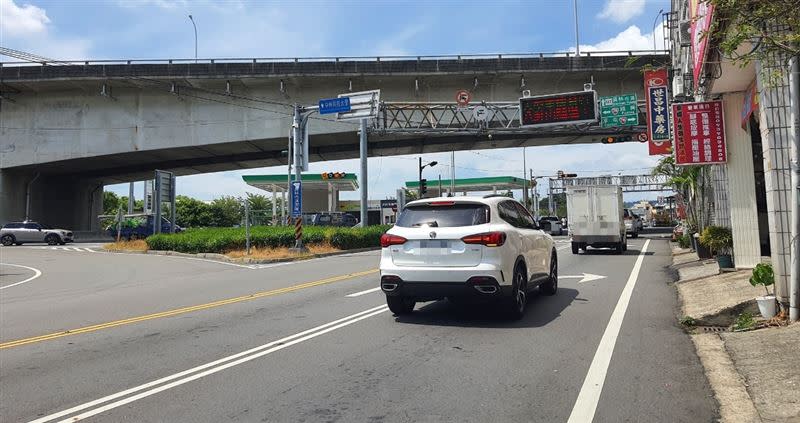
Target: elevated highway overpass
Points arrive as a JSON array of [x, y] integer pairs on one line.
[[71, 127]]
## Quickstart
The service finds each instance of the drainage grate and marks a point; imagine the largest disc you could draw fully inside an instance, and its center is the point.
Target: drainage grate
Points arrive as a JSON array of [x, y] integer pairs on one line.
[[714, 329]]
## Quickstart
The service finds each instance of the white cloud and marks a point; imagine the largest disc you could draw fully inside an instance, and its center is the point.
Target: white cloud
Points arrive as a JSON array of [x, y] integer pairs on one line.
[[394, 45], [28, 28], [631, 38], [621, 11], [164, 4], [20, 21]]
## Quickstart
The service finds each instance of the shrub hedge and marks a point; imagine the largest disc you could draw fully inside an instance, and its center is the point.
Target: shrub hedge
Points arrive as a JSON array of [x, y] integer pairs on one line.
[[222, 240]]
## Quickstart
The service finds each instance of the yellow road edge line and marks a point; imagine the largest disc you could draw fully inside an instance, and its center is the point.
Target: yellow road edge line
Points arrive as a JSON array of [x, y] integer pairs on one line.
[[182, 310]]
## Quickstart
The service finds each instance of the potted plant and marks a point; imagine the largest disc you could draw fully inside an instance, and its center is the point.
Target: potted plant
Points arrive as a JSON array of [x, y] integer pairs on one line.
[[720, 241], [764, 275]]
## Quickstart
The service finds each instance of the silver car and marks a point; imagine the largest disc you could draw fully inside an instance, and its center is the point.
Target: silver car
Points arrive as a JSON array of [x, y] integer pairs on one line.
[[21, 232]]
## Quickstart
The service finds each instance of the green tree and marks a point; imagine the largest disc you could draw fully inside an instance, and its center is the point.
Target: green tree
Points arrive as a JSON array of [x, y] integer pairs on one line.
[[691, 182], [190, 212], [258, 202], [226, 211], [110, 202], [752, 21]]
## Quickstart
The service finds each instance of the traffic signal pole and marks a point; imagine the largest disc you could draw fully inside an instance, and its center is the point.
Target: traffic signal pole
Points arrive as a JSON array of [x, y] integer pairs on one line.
[[419, 190], [363, 176]]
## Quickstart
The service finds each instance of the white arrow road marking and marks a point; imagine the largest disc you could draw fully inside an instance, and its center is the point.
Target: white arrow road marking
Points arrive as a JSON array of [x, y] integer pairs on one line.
[[586, 404], [586, 277], [368, 291], [36, 274]]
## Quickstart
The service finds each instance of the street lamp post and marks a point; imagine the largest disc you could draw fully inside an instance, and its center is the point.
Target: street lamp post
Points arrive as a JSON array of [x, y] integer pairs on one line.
[[195, 37], [655, 22]]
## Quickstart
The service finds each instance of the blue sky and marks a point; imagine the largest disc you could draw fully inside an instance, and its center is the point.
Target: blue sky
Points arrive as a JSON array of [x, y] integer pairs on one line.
[[81, 29]]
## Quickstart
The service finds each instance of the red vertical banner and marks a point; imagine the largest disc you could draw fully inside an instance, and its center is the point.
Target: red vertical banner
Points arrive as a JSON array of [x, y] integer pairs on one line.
[[701, 13], [699, 131], [656, 97]]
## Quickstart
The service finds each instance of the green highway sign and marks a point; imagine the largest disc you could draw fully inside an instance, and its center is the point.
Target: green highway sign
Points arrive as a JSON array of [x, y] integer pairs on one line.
[[619, 110]]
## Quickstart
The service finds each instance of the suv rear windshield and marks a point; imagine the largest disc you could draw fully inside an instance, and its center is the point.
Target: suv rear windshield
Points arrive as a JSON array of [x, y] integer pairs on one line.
[[463, 214]]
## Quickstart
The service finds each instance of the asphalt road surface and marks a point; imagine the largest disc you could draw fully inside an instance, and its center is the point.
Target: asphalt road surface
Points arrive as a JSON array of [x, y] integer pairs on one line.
[[113, 337]]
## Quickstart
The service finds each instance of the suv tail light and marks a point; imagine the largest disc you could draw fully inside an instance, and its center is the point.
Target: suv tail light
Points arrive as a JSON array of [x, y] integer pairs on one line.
[[489, 239], [389, 239]]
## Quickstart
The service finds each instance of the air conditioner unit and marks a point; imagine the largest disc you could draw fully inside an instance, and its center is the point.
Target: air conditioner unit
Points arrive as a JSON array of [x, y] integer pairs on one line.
[[677, 86], [685, 33]]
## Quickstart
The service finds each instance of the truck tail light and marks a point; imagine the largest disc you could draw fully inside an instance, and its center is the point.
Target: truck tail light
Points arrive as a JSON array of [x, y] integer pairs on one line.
[[489, 239], [389, 239]]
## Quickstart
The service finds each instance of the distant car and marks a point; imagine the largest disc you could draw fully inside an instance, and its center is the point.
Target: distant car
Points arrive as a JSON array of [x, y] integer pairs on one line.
[[139, 226], [631, 223], [639, 219], [551, 225], [333, 219], [466, 247], [18, 233]]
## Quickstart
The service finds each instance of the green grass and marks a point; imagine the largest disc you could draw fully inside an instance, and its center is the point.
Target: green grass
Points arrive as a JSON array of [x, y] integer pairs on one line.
[[222, 240]]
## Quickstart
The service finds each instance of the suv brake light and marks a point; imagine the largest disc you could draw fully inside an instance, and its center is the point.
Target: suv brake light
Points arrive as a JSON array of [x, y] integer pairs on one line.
[[389, 239], [441, 203], [489, 239]]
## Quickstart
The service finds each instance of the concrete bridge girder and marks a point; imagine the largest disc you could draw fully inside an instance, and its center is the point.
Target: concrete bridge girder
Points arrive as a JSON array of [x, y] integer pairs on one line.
[[60, 125]]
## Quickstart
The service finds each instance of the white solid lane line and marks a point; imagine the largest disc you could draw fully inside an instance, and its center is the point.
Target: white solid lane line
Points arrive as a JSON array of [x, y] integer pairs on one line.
[[368, 291], [589, 396], [36, 274], [209, 368]]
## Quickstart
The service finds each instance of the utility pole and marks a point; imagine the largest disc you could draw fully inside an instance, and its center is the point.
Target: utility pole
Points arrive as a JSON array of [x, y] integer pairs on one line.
[[524, 181], [550, 206], [794, 278], [452, 173], [577, 39], [289, 158], [131, 200], [298, 136], [247, 223]]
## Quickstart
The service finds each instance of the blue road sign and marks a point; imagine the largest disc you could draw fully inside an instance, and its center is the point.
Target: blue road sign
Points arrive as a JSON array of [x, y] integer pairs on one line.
[[297, 198], [334, 105]]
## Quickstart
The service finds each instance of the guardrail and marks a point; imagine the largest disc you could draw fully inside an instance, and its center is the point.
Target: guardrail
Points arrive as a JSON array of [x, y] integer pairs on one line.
[[564, 54]]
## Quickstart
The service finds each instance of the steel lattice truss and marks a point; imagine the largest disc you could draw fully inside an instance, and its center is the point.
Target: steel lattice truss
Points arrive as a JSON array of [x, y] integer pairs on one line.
[[484, 117], [629, 183]]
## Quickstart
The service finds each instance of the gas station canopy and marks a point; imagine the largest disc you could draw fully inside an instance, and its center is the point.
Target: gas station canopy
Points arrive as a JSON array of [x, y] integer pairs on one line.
[[493, 183], [312, 181]]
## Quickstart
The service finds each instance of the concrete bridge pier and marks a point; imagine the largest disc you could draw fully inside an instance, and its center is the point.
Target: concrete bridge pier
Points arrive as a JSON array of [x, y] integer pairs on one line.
[[60, 201]]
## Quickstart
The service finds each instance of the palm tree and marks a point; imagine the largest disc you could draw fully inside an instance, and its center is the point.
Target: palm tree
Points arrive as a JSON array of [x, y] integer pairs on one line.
[[689, 182]]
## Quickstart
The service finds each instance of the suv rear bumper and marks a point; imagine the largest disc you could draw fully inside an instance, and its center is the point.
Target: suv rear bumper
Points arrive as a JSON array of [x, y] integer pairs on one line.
[[486, 288]]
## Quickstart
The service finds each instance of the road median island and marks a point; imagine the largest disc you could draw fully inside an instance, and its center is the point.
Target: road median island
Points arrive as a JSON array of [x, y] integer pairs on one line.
[[268, 244], [750, 362]]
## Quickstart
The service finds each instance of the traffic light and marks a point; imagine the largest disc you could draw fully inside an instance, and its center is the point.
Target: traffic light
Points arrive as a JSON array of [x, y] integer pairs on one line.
[[423, 187], [333, 175], [617, 139], [561, 175]]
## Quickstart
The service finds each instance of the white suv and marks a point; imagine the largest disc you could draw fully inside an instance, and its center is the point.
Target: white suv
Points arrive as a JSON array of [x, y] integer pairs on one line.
[[485, 247]]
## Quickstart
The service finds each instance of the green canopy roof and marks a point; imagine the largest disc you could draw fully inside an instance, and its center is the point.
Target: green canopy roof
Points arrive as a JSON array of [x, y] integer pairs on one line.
[[349, 182]]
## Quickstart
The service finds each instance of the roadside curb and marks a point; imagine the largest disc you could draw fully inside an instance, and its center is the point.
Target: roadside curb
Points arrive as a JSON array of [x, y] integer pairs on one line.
[[245, 260], [727, 384]]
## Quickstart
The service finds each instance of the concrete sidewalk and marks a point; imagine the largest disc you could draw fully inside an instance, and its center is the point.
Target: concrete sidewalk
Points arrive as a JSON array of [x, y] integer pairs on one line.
[[755, 375]]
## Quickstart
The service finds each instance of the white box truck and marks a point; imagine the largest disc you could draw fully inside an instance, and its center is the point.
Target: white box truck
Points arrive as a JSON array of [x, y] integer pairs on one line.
[[596, 219]]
